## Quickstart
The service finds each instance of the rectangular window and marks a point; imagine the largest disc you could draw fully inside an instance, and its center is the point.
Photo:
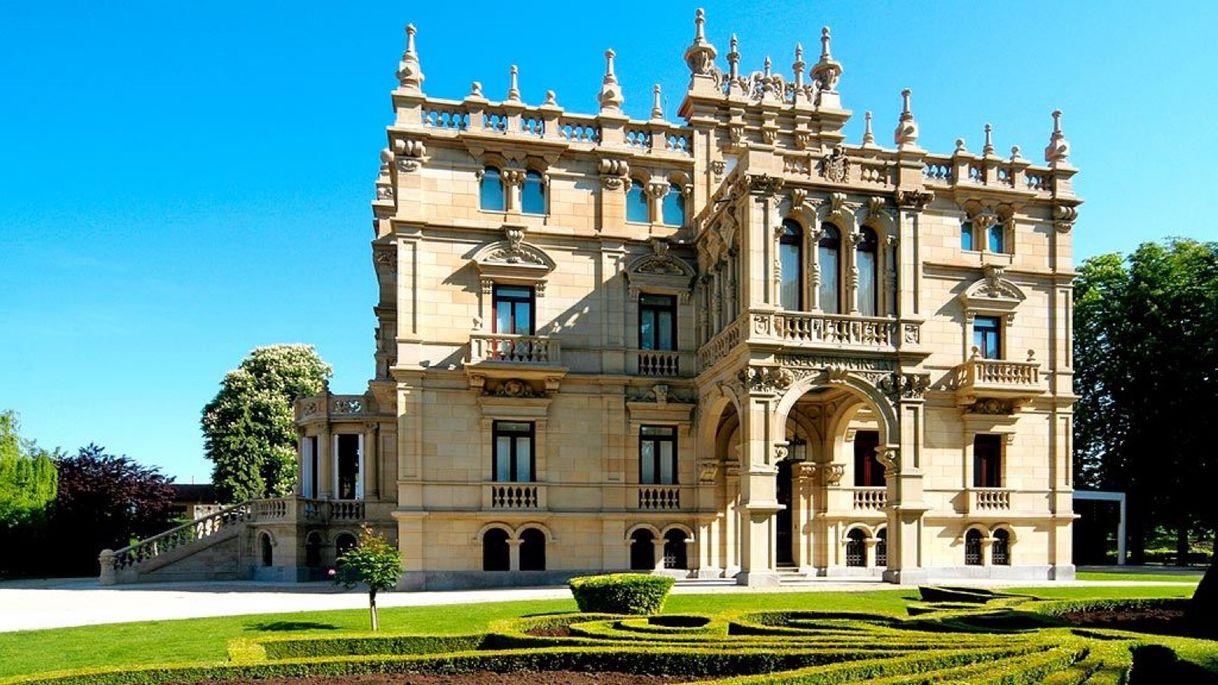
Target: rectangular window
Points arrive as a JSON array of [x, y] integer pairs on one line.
[[513, 452], [657, 322], [868, 471], [513, 306], [348, 466], [658, 455], [987, 336], [966, 235], [308, 486], [987, 461]]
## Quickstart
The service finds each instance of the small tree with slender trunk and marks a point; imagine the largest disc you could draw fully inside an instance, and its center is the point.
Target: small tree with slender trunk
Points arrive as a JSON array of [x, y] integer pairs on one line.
[[372, 562]]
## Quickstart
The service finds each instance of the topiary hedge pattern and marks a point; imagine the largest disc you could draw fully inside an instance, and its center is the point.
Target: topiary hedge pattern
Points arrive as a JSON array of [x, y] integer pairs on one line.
[[1006, 640], [621, 593]]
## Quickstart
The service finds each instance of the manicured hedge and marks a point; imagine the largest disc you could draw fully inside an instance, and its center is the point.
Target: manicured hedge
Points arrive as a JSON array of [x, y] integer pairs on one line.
[[621, 593], [286, 648]]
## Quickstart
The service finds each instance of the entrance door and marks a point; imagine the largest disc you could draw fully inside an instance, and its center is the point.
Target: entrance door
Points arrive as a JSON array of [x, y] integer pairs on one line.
[[784, 554]]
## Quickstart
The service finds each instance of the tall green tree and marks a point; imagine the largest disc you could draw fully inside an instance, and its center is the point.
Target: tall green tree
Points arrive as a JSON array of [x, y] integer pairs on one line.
[[28, 478], [1146, 372], [248, 429]]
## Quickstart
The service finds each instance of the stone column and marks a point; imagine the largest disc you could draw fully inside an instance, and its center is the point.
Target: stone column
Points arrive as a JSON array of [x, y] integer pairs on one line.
[[325, 463], [869, 557], [106, 560], [758, 501], [801, 513], [987, 549], [513, 554], [905, 506], [657, 546], [731, 519]]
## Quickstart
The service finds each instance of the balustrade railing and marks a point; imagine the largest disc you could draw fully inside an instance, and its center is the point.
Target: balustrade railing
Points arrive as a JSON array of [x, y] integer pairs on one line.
[[938, 171], [659, 363], [636, 137], [805, 327], [578, 131], [533, 126], [513, 496], [516, 349], [870, 498], [999, 372], [346, 510], [452, 119], [676, 142], [992, 499], [659, 497], [719, 345]]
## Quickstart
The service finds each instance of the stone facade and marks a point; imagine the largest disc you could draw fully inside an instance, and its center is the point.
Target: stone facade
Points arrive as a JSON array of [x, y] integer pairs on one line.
[[734, 346]]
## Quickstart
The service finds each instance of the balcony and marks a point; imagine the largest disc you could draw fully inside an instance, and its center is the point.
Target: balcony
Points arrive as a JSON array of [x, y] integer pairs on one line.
[[870, 498], [514, 496], [527, 350], [659, 363], [997, 379], [988, 500], [659, 497]]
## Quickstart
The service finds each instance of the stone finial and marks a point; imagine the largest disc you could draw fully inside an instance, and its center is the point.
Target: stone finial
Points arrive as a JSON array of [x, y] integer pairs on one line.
[[988, 149], [657, 110], [733, 58], [1058, 149], [410, 74], [475, 91], [513, 94], [827, 71], [798, 68], [868, 136], [1014, 153], [700, 55], [960, 149], [906, 135], [611, 97], [551, 99]]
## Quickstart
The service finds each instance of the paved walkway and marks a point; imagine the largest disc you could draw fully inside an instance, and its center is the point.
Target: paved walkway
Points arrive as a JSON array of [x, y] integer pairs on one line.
[[33, 604]]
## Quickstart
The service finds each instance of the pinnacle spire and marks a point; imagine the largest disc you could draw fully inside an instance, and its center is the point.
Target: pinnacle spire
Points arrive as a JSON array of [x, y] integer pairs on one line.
[[610, 97], [906, 135], [1058, 149], [988, 148], [410, 74], [868, 136], [827, 71], [700, 55], [657, 110], [513, 94]]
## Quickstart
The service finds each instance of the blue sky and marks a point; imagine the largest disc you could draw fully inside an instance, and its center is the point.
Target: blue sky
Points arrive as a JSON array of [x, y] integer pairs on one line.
[[181, 182]]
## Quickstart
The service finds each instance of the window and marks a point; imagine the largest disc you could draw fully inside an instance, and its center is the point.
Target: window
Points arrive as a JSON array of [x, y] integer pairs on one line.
[[264, 542], [856, 548], [966, 236], [636, 204], [672, 208], [348, 483], [972, 547], [1000, 550], [532, 550], [657, 322], [513, 452], [865, 256], [830, 269], [674, 549], [790, 260], [513, 309], [496, 555], [868, 471], [987, 337], [490, 190], [313, 550], [658, 455], [994, 237], [881, 547], [533, 194], [642, 550], [987, 461], [308, 468]]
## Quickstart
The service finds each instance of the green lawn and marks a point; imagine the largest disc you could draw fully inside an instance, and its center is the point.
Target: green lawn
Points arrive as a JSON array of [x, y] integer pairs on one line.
[[1192, 578], [205, 639]]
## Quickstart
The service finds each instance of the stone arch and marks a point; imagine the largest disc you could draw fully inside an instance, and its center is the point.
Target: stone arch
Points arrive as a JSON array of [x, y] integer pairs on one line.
[[1002, 525], [266, 548], [890, 429], [641, 526], [868, 532], [712, 410], [494, 524], [545, 530], [689, 532]]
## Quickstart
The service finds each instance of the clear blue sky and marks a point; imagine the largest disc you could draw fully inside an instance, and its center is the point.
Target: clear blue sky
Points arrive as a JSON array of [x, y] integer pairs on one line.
[[183, 181]]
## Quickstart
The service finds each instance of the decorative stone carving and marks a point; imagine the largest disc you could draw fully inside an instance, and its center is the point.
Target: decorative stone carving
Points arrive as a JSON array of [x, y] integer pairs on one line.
[[908, 386], [700, 55], [1063, 217], [831, 474], [718, 167], [827, 71], [615, 173], [765, 379], [781, 451], [835, 167], [991, 293], [409, 154], [764, 184], [913, 199], [410, 74], [991, 407], [837, 202], [513, 387], [660, 272], [889, 458], [347, 406], [661, 394], [708, 469], [912, 333], [385, 255]]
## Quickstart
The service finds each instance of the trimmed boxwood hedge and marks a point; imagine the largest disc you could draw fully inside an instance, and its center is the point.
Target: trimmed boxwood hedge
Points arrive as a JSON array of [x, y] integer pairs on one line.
[[621, 593]]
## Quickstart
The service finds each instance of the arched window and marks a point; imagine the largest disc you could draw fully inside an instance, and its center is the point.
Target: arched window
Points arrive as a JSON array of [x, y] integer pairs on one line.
[[532, 550], [856, 547], [829, 257], [966, 236], [865, 258], [674, 549], [636, 204], [881, 547], [313, 550], [672, 208], [994, 237], [868, 471], [490, 190], [495, 552], [344, 543], [642, 550], [533, 194], [264, 543], [790, 260], [972, 547], [1000, 550]]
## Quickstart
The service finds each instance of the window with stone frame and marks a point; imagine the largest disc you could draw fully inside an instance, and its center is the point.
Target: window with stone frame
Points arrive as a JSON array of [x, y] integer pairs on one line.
[[829, 259], [867, 264], [868, 471], [672, 207], [987, 337], [533, 193], [513, 455], [657, 322], [513, 308], [972, 547], [987, 461], [658, 455], [790, 261], [637, 207], [492, 193]]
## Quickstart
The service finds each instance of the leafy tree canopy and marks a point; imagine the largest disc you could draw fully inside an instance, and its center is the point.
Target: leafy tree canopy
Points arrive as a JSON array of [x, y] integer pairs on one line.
[[248, 429], [28, 478]]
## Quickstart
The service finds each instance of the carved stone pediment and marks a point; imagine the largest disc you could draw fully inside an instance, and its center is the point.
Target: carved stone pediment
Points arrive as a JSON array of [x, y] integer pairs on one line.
[[512, 259], [993, 293], [660, 272]]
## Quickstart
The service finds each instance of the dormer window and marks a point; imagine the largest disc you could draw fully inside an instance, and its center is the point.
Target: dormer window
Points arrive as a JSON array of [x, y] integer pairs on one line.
[[491, 191], [636, 204], [533, 193], [672, 209]]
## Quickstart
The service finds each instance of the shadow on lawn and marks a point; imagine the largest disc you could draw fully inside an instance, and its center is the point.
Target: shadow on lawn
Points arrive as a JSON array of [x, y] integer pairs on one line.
[[283, 626]]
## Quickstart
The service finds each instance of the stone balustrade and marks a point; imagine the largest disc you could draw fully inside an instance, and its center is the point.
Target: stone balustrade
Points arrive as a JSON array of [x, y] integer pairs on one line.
[[514, 349], [808, 330], [967, 169], [659, 497], [870, 498], [981, 500], [997, 378], [720, 344], [659, 363], [514, 496]]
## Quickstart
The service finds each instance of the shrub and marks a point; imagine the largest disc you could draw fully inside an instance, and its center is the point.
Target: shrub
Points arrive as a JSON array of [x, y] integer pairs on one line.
[[621, 593]]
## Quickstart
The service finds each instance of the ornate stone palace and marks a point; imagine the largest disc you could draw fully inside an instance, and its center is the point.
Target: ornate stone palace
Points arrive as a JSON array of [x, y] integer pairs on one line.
[[738, 346]]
